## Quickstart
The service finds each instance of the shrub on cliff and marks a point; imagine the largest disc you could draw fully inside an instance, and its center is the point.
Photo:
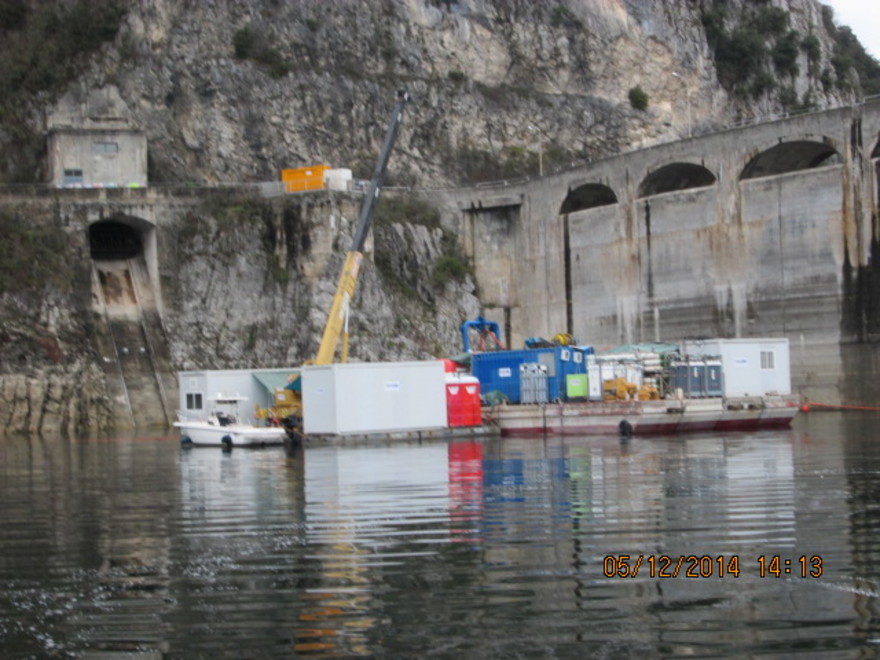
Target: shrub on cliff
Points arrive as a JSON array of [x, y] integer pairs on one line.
[[249, 44], [638, 99]]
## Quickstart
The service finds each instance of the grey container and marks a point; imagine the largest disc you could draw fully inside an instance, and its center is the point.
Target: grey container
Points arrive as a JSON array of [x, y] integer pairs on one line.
[[698, 378], [533, 382], [714, 378]]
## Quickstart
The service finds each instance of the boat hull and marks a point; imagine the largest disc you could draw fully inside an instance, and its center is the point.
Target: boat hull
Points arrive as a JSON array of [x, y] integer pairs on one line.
[[642, 417], [202, 434]]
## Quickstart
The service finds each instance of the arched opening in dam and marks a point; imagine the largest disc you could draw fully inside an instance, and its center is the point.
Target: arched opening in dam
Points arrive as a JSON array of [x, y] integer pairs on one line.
[[790, 157], [581, 198], [675, 176], [663, 220], [588, 196]]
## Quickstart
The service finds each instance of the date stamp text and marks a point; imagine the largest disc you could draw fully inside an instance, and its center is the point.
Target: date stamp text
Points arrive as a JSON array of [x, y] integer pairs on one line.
[[711, 566]]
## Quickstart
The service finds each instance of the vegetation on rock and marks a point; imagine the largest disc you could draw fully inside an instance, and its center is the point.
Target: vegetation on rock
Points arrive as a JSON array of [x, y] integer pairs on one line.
[[756, 51], [32, 256], [250, 44], [638, 99]]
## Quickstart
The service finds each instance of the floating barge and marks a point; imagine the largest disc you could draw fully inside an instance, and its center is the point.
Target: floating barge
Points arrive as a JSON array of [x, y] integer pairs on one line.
[[699, 385], [642, 417]]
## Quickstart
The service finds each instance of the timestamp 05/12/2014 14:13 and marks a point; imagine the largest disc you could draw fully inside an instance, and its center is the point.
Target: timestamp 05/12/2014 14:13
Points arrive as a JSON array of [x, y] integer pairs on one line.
[[708, 566]]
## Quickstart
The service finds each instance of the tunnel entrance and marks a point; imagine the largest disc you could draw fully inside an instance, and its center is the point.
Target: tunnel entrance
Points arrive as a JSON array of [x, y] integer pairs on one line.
[[130, 338], [113, 240]]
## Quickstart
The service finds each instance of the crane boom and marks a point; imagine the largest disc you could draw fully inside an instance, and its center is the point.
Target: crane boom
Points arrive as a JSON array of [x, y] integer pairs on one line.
[[337, 320], [365, 219]]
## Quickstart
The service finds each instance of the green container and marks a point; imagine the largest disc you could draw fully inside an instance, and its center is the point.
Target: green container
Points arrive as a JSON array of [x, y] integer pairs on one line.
[[576, 386]]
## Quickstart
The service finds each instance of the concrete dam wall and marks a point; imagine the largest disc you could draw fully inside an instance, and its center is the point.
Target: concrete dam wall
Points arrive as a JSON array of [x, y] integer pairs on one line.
[[767, 230]]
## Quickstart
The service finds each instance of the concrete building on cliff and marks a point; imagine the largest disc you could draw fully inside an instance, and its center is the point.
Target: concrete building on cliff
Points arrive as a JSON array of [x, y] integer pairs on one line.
[[92, 143]]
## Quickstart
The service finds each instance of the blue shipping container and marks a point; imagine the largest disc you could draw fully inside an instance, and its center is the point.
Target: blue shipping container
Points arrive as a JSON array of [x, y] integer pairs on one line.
[[499, 370]]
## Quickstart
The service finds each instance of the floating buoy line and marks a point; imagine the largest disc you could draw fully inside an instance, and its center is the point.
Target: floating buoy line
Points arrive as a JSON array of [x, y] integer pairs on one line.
[[836, 406]]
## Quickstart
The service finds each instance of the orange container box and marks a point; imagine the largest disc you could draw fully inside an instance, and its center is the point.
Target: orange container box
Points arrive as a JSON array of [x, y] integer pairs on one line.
[[304, 178]]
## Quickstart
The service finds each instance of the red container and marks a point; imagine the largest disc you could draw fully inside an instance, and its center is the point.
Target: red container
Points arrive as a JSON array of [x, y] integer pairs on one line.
[[463, 400]]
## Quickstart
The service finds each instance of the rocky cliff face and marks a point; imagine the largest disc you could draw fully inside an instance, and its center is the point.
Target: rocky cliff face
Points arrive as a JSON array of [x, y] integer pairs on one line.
[[249, 282], [236, 90], [50, 376]]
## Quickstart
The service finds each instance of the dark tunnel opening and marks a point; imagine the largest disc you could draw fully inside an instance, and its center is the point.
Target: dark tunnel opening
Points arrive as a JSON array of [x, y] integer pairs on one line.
[[674, 177], [112, 240], [790, 157], [588, 196]]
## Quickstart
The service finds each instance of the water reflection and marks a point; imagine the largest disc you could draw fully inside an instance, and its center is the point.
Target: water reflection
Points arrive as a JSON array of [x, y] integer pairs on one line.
[[84, 554], [366, 509], [450, 549], [722, 503]]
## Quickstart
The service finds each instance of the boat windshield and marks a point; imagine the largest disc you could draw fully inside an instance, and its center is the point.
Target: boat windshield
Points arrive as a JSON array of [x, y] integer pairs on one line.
[[225, 409]]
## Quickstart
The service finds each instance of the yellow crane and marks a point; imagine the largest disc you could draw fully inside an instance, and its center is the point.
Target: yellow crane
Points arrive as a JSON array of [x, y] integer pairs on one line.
[[337, 320], [336, 326]]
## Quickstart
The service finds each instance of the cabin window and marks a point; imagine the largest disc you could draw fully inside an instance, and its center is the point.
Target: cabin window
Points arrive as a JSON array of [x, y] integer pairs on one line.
[[193, 401], [73, 177], [767, 360], [105, 147]]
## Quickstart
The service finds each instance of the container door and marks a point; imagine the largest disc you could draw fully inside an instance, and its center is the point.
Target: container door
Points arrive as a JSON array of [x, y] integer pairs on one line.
[[533, 383], [714, 386]]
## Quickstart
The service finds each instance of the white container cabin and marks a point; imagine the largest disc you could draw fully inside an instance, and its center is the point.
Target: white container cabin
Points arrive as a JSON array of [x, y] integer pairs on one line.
[[373, 397], [750, 367]]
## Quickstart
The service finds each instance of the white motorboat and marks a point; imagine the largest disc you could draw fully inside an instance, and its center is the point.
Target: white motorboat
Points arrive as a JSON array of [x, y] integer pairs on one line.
[[221, 427]]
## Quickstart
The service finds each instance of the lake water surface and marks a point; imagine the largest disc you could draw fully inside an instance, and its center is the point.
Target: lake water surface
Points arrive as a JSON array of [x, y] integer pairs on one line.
[[500, 548]]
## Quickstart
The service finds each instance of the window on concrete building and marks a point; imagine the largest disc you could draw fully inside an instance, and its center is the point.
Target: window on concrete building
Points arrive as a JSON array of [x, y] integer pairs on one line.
[[105, 148], [72, 177], [767, 360], [193, 401]]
